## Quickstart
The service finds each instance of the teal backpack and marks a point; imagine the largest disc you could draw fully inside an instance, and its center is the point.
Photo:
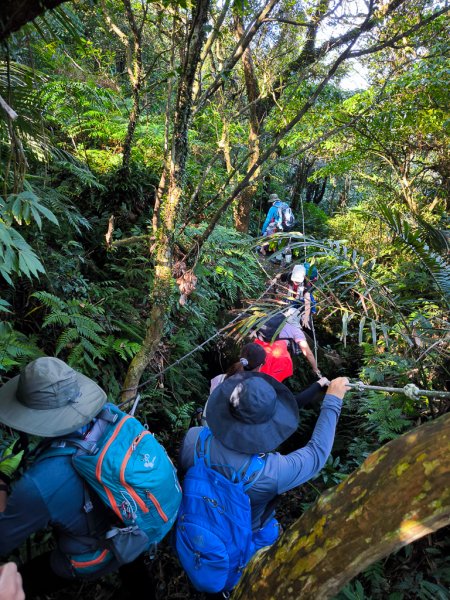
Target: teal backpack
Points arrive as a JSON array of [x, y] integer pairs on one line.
[[130, 471]]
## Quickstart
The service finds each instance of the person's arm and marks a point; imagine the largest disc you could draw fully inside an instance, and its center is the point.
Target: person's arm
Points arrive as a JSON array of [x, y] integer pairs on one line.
[[307, 312], [10, 583], [306, 351], [25, 513], [312, 392], [267, 221], [302, 464]]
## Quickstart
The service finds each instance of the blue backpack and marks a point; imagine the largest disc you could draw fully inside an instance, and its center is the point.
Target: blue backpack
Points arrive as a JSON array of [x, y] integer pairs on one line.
[[213, 533], [132, 474]]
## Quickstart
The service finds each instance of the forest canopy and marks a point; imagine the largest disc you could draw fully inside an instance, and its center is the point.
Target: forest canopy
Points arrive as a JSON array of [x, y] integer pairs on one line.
[[140, 142]]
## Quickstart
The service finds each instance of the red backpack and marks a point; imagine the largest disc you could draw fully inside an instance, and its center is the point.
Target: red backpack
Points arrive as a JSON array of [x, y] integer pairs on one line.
[[278, 360]]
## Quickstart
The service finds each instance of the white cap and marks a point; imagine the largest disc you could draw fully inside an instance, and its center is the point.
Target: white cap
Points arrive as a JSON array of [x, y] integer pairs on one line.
[[298, 274]]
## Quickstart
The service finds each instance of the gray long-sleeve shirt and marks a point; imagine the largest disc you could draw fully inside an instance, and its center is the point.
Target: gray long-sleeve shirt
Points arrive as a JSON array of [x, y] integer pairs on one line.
[[281, 472]]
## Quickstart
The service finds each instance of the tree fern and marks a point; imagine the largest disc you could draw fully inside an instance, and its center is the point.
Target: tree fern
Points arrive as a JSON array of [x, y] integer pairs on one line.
[[412, 241], [81, 335]]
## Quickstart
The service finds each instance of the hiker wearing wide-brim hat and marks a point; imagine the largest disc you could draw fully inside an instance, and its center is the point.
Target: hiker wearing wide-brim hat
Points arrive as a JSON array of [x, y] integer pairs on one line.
[[273, 215], [251, 414], [50, 399]]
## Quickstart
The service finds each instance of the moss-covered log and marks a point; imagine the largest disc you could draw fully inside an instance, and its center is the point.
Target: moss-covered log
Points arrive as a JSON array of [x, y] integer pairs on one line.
[[399, 494]]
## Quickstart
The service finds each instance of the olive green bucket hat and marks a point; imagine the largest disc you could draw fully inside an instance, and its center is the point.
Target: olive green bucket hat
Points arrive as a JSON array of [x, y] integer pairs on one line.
[[49, 399]]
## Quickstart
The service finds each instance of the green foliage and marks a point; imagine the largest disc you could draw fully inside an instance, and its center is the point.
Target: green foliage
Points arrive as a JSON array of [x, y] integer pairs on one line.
[[16, 349], [331, 473], [352, 591], [16, 256], [378, 243], [230, 265], [394, 578], [80, 338], [18, 83], [26, 206], [316, 220], [412, 240]]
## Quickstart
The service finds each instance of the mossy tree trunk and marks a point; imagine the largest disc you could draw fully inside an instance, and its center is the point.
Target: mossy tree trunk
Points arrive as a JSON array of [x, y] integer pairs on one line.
[[399, 494], [132, 44], [161, 295], [135, 74], [244, 201]]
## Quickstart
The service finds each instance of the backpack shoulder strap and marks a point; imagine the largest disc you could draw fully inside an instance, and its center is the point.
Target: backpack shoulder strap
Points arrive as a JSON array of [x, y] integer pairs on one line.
[[255, 469], [202, 446], [252, 468], [74, 443], [108, 415]]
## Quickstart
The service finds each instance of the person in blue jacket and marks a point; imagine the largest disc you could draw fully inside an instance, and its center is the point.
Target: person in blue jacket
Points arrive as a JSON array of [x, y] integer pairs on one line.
[[274, 213], [49, 399]]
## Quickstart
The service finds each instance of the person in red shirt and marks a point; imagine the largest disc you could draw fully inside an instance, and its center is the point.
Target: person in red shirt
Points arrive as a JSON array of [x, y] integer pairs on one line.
[[278, 361]]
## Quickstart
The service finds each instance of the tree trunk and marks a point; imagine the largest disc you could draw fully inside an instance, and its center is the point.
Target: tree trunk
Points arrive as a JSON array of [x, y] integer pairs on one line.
[[399, 494], [161, 296], [135, 75], [321, 191], [245, 200], [132, 122], [301, 179]]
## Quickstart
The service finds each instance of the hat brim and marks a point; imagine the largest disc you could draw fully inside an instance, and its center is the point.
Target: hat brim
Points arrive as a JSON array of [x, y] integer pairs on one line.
[[251, 438], [51, 422]]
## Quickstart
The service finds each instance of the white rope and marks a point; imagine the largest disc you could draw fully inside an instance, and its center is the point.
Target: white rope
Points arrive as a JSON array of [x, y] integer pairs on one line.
[[410, 390], [304, 248], [313, 331], [177, 362], [303, 222]]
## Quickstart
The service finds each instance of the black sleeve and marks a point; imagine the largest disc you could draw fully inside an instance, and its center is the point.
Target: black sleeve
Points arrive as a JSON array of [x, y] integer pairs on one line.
[[312, 393]]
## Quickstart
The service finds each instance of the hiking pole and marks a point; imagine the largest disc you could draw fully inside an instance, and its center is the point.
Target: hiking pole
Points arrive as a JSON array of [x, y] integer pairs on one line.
[[410, 390]]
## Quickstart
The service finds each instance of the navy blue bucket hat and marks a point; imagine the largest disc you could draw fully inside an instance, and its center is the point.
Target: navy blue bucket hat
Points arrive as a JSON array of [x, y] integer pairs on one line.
[[252, 412]]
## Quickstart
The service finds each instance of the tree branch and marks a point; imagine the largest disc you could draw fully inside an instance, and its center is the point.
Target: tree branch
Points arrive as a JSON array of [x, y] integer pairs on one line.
[[236, 54], [8, 110]]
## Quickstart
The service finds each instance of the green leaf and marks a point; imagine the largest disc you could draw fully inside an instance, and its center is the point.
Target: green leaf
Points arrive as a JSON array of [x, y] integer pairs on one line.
[[373, 326], [47, 213], [361, 328]]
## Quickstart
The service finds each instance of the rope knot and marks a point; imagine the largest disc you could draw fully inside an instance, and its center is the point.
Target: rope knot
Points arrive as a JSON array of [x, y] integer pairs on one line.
[[359, 386], [411, 391]]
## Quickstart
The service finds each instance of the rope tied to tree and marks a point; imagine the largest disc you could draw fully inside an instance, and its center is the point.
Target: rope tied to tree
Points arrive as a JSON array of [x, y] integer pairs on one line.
[[136, 399]]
